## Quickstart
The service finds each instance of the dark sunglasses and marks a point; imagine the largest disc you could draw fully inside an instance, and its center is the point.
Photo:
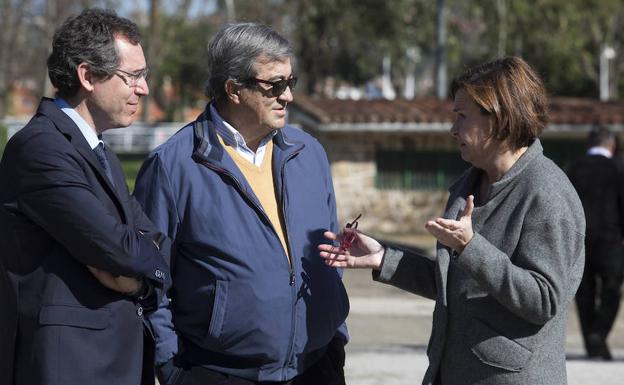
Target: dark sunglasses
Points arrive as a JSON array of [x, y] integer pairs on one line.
[[278, 86], [348, 239]]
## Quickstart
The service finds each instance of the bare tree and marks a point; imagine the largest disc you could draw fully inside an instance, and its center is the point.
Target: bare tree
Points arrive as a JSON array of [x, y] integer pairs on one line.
[[26, 31], [12, 25]]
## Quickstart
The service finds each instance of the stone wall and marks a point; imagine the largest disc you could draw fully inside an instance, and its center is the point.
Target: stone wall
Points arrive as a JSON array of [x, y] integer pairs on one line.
[[352, 158]]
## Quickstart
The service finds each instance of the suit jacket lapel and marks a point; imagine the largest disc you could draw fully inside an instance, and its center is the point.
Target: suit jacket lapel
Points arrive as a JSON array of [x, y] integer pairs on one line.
[[120, 183], [69, 129], [116, 170]]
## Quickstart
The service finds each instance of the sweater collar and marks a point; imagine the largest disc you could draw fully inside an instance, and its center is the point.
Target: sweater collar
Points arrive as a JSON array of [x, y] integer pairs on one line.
[[470, 177]]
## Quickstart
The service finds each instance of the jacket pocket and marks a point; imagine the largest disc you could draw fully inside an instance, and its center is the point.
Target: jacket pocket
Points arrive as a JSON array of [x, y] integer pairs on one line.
[[218, 310], [76, 316], [494, 349]]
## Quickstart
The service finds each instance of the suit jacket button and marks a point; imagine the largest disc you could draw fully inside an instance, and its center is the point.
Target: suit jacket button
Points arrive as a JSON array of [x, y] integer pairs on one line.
[[140, 311]]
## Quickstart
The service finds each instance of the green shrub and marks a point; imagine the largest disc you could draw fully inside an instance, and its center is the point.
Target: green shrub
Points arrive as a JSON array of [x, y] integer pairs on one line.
[[3, 138], [131, 163]]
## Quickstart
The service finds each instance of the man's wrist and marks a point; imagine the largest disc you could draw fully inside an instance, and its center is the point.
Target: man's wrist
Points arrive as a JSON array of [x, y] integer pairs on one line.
[[147, 296], [142, 292]]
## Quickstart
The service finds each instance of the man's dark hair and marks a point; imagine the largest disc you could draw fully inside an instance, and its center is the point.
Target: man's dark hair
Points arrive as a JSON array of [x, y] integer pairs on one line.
[[599, 136], [87, 38]]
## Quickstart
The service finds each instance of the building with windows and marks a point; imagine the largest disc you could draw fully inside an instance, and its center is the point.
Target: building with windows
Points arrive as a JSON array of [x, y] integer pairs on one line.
[[394, 160]]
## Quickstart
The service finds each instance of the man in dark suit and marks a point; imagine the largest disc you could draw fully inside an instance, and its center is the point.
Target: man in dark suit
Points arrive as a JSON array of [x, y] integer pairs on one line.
[[82, 261], [599, 181]]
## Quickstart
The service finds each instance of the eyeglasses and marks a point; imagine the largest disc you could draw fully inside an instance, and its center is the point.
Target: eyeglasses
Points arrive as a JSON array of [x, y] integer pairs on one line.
[[132, 78], [278, 86], [349, 237]]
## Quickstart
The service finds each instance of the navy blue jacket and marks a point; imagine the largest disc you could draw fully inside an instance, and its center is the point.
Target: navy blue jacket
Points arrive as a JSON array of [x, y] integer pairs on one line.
[[238, 305], [59, 213]]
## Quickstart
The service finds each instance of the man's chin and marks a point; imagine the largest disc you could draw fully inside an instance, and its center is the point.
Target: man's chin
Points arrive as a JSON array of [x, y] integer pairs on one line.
[[279, 123], [117, 125], [127, 121]]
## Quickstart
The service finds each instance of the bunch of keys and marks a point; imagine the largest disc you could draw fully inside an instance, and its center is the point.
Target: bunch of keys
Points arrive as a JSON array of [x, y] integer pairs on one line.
[[349, 238]]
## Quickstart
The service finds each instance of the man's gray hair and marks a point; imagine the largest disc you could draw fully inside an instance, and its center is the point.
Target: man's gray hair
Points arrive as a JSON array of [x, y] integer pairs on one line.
[[233, 51]]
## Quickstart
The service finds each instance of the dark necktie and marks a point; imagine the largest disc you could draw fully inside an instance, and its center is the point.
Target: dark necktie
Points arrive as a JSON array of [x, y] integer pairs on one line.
[[100, 153]]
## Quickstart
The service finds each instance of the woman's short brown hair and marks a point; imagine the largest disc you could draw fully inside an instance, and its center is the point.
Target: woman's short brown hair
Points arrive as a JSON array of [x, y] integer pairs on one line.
[[512, 92]]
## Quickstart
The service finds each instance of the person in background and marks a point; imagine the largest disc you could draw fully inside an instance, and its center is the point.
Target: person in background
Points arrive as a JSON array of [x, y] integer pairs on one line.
[[599, 180], [246, 199], [510, 249], [82, 262]]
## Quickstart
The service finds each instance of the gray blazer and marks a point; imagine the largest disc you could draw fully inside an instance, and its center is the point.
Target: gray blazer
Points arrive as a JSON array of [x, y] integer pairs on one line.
[[501, 305]]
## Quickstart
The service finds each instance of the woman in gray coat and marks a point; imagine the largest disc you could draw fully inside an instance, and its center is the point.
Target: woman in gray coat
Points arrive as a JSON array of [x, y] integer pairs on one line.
[[510, 249]]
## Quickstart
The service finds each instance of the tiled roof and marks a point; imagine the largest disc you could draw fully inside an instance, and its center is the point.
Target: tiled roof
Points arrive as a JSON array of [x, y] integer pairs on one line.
[[430, 110], [586, 111]]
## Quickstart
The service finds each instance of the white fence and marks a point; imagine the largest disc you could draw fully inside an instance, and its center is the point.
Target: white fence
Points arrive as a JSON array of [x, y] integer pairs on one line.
[[139, 138]]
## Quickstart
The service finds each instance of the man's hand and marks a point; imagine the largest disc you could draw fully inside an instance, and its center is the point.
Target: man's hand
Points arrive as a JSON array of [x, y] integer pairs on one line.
[[451, 233], [121, 284]]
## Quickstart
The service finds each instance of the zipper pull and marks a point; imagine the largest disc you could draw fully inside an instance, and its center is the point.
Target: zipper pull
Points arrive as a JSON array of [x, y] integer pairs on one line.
[[292, 277]]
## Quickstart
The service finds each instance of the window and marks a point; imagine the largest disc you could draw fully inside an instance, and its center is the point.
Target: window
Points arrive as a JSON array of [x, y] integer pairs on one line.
[[415, 169], [434, 170], [564, 152]]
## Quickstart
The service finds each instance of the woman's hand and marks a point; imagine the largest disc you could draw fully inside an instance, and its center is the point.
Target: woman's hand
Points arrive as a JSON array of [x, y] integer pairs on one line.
[[451, 233], [363, 252]]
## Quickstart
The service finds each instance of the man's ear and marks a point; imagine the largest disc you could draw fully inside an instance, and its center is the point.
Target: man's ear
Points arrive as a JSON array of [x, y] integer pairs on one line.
[[612, 145], [232, 90], [85, 76]]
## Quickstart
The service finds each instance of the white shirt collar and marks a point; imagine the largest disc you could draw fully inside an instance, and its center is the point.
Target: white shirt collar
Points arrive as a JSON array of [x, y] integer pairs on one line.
[[232, 137], [87, 131], [598, 150]]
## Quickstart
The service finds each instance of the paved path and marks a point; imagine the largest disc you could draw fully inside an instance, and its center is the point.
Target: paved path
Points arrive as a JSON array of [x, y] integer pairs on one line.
[[390, 330], [404, 365]]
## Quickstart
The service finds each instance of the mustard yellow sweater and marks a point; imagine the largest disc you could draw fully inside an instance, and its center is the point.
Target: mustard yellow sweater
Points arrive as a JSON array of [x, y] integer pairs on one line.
[[261, 181]]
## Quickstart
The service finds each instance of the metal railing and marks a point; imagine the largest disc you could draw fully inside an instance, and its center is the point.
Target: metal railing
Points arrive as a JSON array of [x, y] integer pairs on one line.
[[139, 138]]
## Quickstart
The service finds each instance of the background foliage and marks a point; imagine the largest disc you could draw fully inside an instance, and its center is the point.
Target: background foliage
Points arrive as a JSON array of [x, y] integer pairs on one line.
[[337, 42], [3, 138]]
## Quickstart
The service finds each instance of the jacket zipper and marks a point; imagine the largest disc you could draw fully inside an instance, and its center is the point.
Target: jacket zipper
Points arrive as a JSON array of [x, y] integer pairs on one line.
[[282, 172], [256, 206], [292, 279], [292, 265]]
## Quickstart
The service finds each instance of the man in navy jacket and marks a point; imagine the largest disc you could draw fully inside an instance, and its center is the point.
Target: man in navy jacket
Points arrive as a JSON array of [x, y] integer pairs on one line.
[[81, 261], [245, 200], [599, 181]]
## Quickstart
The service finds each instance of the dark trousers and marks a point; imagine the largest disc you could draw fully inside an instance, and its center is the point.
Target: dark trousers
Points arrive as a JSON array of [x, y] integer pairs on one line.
[[328, 370], [8, 331], [149, 349], [599, 294]]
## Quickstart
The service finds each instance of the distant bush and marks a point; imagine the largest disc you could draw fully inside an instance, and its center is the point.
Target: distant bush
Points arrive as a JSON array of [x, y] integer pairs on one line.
[[131, 163], [3, 138]]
